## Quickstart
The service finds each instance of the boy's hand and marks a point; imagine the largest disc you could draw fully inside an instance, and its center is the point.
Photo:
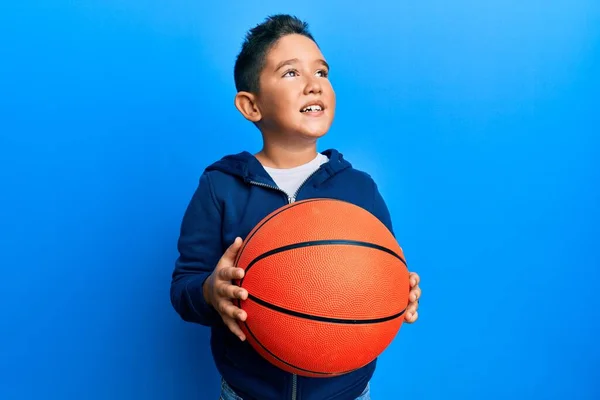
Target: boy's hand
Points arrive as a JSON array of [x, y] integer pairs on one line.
[[219, 290], [411, 314]]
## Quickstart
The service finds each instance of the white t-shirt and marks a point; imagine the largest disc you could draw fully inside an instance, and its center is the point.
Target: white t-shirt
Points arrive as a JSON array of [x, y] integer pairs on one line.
[[290, 179]]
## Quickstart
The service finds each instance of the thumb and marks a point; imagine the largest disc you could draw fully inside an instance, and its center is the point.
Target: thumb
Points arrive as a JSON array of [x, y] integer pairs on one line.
[[231, 252]]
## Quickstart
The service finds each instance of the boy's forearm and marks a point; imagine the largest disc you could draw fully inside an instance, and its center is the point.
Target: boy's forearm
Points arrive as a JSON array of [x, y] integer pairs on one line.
[[188, 296], [199, 247]]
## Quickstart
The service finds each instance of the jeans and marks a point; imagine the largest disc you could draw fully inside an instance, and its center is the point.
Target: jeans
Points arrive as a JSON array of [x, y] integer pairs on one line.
[[227, 393]]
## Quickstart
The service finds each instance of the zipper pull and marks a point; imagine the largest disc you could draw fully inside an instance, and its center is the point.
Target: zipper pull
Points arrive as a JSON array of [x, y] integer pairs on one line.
[[291, 199]]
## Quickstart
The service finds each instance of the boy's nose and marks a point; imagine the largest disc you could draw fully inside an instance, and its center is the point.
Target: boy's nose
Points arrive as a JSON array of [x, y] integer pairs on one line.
[[313, 86]]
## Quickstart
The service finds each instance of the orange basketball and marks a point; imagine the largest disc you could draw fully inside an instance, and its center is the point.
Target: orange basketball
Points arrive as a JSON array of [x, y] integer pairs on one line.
[[327, 285]]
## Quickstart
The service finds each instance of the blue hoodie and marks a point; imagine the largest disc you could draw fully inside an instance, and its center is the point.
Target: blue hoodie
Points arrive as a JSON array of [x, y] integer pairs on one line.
[[234, 194]]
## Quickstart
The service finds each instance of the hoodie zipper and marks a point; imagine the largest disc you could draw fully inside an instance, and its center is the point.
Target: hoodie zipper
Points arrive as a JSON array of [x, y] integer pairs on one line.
[[290, 199], [302, 184], [294, 386]]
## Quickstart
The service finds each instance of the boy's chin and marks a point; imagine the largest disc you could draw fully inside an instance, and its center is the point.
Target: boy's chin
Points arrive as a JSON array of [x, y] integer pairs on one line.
[[314, 132]]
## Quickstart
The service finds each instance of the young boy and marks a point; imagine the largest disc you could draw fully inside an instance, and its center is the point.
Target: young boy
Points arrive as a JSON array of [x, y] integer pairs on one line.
[[283, 88]]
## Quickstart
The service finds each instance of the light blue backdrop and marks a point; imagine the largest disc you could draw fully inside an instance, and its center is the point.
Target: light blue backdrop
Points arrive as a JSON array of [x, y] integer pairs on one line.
[[479, 120]]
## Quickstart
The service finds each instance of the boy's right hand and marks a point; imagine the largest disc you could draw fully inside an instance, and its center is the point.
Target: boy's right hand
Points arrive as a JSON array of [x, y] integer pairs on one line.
[[219, 291]]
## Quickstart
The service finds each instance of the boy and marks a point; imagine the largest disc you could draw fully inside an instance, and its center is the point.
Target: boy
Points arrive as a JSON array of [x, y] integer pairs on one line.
[[283, 88]]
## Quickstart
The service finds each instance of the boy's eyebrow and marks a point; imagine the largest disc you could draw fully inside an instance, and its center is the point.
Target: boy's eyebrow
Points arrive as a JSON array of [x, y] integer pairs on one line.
[[295, 60], [286, 62], [324, 63]]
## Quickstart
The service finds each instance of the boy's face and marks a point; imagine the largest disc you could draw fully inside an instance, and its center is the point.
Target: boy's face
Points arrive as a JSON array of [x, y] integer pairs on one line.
[[296, 98]]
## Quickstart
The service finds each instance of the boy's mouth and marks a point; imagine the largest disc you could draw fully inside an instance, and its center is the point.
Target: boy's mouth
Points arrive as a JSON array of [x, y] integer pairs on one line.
[[314, 107]]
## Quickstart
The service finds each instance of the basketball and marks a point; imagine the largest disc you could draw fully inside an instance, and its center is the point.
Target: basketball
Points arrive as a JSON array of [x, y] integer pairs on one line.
[[327, 287]]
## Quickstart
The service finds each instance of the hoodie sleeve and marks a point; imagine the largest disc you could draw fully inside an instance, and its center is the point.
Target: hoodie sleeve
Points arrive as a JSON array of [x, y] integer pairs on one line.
[[200, 248], [380, 209]]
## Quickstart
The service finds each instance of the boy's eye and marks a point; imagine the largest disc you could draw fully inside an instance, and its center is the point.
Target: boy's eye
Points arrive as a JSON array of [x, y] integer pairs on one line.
[[291, 72]]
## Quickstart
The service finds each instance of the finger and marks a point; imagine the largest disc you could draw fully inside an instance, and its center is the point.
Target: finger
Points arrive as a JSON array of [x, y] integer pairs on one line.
[[230, 273], [412, 317], [232, 292], [234, 328], [415, 294], [230, 254], [411, 310], [414, 279], [226, 308]]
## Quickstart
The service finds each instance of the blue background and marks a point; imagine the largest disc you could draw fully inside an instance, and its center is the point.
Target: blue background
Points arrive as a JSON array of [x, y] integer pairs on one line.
[[478, 119]]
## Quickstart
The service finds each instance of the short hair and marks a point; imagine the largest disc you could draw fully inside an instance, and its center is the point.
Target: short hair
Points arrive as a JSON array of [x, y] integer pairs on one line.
[[259, 40]]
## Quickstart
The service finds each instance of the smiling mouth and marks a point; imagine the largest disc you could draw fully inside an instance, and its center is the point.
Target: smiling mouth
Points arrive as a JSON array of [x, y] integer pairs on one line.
[[312, 109]]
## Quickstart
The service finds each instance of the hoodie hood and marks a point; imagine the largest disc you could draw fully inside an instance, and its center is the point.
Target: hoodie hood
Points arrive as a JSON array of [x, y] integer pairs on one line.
[[244, 165]]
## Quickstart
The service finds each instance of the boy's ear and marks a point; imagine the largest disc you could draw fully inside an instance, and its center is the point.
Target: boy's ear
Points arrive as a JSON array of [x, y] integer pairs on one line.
[[245, 102]]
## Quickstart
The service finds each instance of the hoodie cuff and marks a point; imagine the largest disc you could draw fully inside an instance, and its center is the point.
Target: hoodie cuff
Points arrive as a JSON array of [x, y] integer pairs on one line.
[[194, 290]]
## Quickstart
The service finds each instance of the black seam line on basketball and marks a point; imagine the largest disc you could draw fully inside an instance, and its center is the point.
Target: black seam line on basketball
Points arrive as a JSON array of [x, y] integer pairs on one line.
[[256, 229], [324, 319], [320, 243], [287, 363]]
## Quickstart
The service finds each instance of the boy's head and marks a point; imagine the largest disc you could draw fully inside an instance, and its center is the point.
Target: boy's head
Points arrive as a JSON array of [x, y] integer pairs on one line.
[[279, 74]]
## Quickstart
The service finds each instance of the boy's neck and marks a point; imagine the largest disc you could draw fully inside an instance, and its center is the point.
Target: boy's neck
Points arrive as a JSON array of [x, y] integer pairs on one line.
[[283, 157]]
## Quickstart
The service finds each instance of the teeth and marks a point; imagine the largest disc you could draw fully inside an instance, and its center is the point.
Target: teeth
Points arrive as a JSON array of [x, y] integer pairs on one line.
[[312, 108]]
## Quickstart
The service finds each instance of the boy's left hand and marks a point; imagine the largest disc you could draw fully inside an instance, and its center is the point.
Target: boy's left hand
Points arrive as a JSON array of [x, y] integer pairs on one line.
[[411, 314]]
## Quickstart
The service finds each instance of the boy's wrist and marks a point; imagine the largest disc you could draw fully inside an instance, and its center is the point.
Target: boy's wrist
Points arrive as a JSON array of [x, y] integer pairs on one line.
[[205, 291]]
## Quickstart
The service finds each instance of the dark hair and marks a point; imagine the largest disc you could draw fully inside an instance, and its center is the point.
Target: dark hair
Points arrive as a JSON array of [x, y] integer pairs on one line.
[[259, 40]]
